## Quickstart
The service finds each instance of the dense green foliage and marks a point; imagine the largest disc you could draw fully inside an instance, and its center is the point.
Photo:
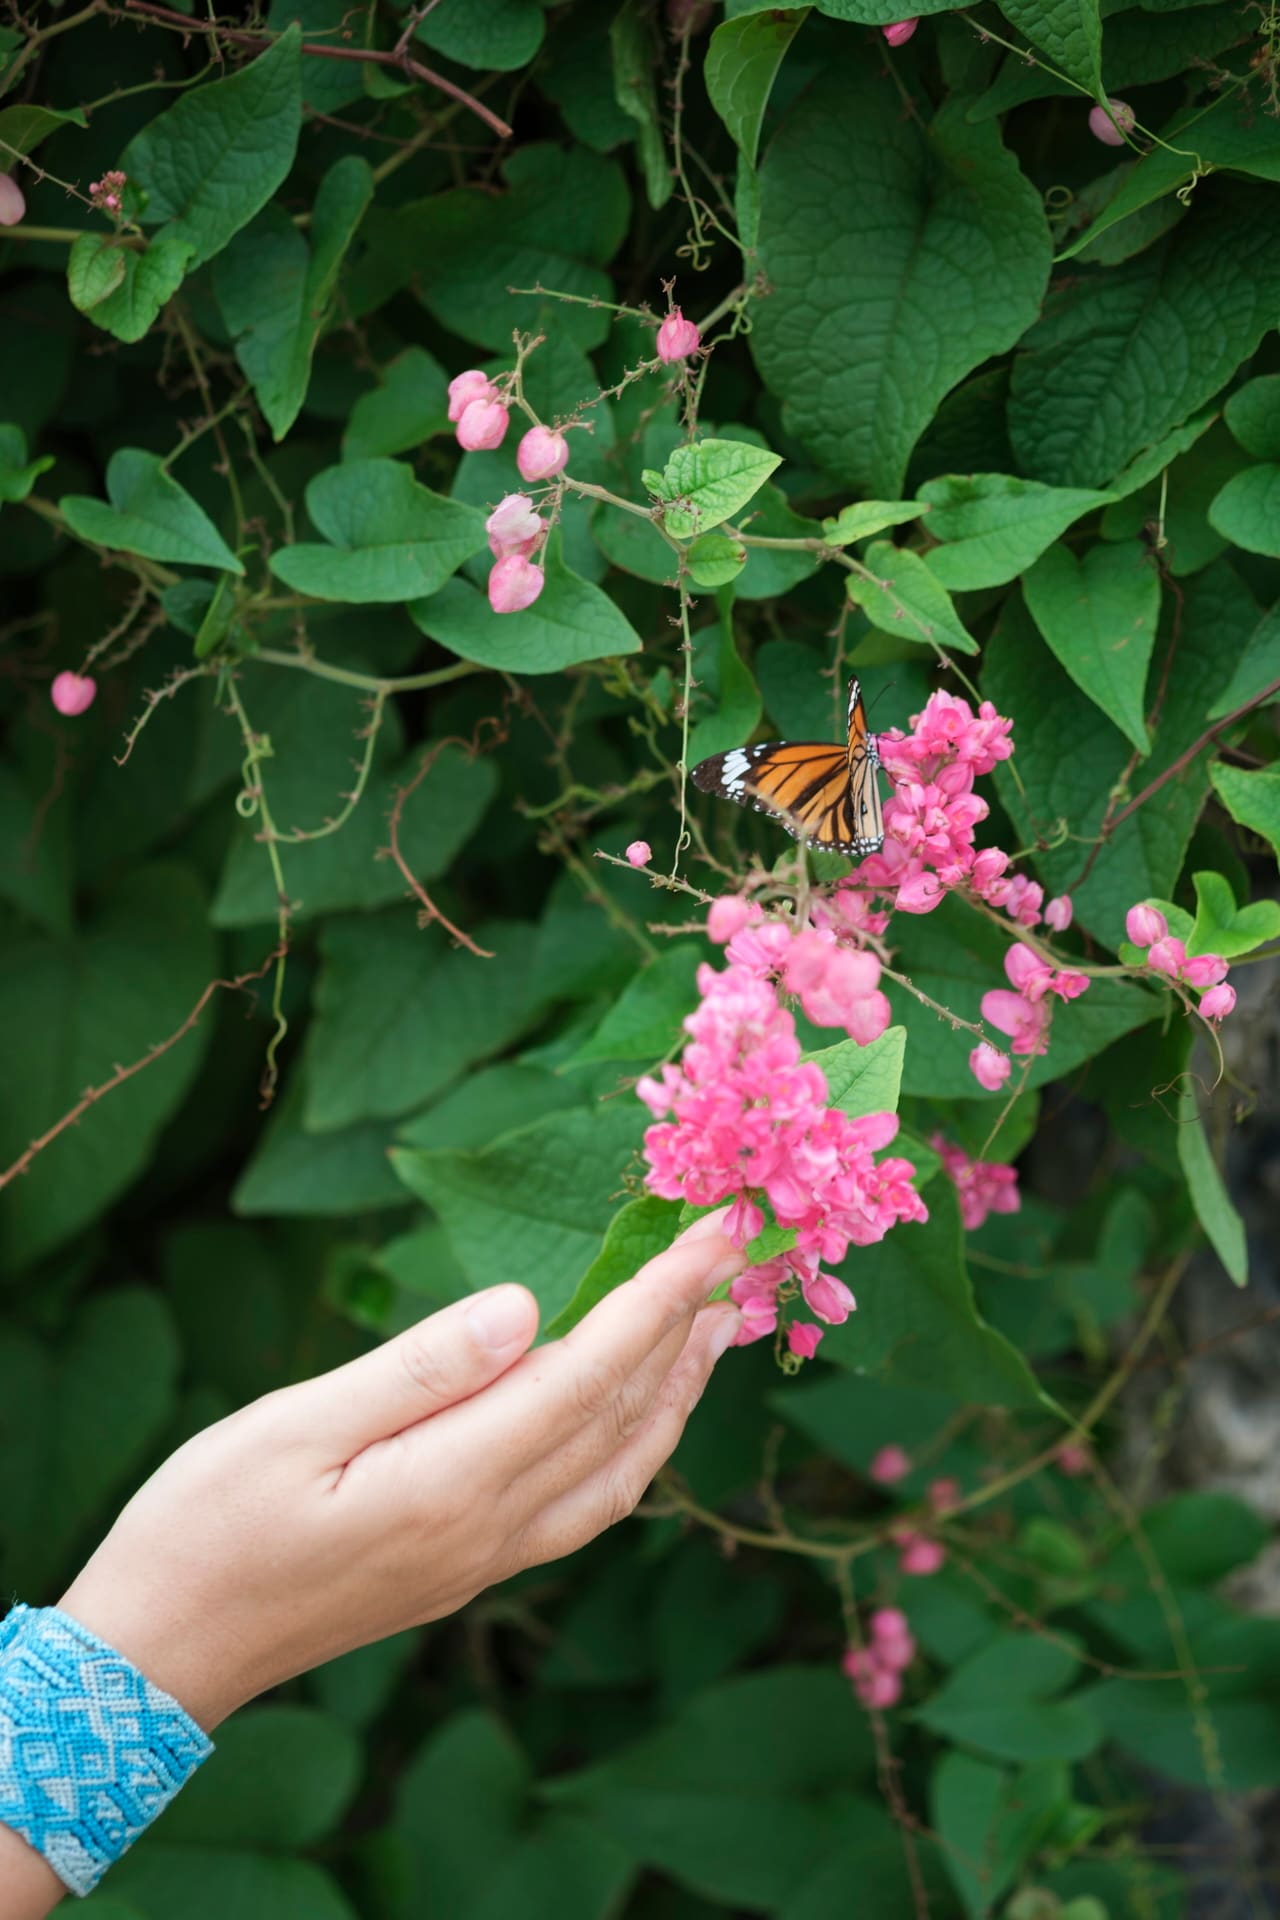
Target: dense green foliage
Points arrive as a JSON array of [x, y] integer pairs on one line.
[[1002, 404]]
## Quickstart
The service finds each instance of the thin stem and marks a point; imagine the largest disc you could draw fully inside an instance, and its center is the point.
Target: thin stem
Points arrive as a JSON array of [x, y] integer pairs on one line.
[[67, 236], [367, 682]]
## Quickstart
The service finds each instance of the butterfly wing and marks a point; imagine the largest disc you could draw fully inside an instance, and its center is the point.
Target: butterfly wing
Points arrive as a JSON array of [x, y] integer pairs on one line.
[[865, 818]]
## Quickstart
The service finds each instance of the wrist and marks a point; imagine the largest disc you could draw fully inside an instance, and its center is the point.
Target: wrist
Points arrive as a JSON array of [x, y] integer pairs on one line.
[[175, 1652]]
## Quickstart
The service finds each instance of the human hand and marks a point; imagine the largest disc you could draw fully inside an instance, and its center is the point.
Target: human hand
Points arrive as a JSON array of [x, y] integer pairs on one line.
[[392, 1490]]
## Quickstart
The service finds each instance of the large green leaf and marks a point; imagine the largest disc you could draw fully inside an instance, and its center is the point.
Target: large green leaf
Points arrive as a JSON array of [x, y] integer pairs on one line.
[[1253, 414], [147, 512], [210, 161], [408, 407], [707, 481], [993, 526], [863, 1080], [897, 260], [1122, 356], [391, 538], [570, 621], [1098, 615], [281, 1779], [1209, 1197], [1251, 798], [738, 713], [637, 1233], [275, 287], [1247, 511], [646, 1018], [118, 987], [122, 290], [291, 1171], [741, 65], [499, 36], [991, 1822], [1069, 32], [1001, 1702], [208, 1883], [901, 595]]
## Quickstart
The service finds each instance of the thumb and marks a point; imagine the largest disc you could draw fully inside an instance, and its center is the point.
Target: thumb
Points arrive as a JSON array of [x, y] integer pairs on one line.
[[443, 1359]]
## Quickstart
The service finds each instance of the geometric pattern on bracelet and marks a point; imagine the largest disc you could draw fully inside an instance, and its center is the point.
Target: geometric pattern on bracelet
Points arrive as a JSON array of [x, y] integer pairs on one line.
[[90, 1750]]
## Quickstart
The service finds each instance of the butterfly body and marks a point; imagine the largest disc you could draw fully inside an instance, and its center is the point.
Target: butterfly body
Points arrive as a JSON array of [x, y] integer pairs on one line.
[[822, 794]]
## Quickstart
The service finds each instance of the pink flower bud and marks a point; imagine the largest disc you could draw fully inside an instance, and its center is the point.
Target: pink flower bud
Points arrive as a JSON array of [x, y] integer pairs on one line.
[[727, 916], [1111, 126], [1145, 925], [890, 1464], [466, 387], [482, 425], [1058, 913], [828, 1297], [541, 454], [514, 527], [889, 1623], [1218, 1002], [1205, 970], [803, 1338], [943, 1494], [12, 203], [920, 1556], [989, 1067], [898, 32], [894, 1653], [639, 853], [859, 1663], [73, 693], [677, 337], [514, 584], [1167, 956], [880, 1689], [1073, 1459]]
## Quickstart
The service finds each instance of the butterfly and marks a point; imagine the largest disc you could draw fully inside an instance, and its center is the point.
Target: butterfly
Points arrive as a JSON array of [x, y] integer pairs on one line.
[[826, 796]]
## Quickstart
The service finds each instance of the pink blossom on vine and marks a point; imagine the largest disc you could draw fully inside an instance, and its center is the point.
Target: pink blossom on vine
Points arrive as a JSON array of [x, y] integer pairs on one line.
[[1025, 1021], [1058, 912], [542, 453], [13, 203], [482, 425], [514, 584], [466, 387], [1020, 899], [875, 1681], [1218, 1002], [1168, 955], [677, 337], [728, 915], [1144, 925], [802, 1338], [891, 1464], [898, 32], [892, 1642], [983, 1186], [1034, 978], [514, 526], [1073, 1459], [1111, 123], [989, 1067], [639, 854], [107, 194], [73, 693], [836, 986], [1205, 970], [943, 1494], [918, 1554]]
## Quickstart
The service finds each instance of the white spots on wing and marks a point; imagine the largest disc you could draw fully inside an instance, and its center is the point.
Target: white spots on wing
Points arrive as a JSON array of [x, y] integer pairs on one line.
[[735, 769]]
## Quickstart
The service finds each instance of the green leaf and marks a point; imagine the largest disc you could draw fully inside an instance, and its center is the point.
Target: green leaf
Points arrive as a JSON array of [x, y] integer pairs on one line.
[[377, 1045], [901, 595], [916, 253], [1153, 1724], [863, 1080], [546, 1189], [1123, 356], [281, 1778], [150, 280], [639, 1232], [1247, 511], [714, 559], [208, 1883], [571, 620], [707, 481], [275, 287], [76, 1419], [1223, 928], [500, 36], [1001, 1701], [1098, 616], [22, 128], [993, 526], [635, 55], [149, 513], [1253, 414], [1251, 798], [738, 714], [1257, 669], [741, 65], [110, 993], [391, 538], [1214, 1210], [645, 1021], [991, 1822], [862, 518], [325, 1174], [210, 161], [18, 474], [1069, 32], [410, 406], [95, 268]]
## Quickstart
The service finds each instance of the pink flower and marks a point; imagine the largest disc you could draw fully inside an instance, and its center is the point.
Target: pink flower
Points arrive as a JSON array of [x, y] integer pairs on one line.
[[1168, 956], [891, 1464], [73, 693], [542, 453], [984, 1186], [1025, 1022], [1022, 899], [514, 527], [726, 916], [1074, 1459], [1205, 970], [639, 854], [1111, 127], [677, 337], [1028, 973], [920, 1556], [466, 387], [898, 32], [13, 204], [889, 1623], [943, 1494], [894, 1653], [1145, 925], [514, 583], [803, 1338], [880, 1689], [828, 1297], [1058, 913], [1218, 1002], [836, 986], [482, 425], [989, 1067]]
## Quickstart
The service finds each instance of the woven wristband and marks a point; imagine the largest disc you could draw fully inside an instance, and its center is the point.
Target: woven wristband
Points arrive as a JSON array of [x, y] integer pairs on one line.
[[90, 1750]]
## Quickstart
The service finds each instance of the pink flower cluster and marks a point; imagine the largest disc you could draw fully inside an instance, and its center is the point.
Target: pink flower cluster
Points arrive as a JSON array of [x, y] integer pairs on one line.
[[984, 1186], [1023, 1013], [836, 982], [876, 1669], [1206, 972], [107, 194], [751, 1122], [515, 530]]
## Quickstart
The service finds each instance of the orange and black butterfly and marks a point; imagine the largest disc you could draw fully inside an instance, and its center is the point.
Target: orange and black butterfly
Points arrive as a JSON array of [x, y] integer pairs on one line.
[[826, 796]]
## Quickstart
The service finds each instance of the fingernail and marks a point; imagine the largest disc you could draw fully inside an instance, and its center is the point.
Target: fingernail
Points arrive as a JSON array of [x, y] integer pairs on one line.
[[500, 1317], [724, 1333]]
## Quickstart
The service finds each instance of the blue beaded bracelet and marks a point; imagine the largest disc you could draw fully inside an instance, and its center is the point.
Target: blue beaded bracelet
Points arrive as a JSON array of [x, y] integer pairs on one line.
[[90, 1750]]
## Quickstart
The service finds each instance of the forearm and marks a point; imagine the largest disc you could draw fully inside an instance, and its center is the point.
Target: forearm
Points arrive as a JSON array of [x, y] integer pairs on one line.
[[29, 1887]]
